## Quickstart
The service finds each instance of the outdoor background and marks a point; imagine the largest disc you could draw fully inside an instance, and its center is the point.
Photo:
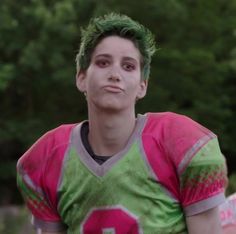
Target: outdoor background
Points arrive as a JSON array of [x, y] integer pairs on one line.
[[193, 73]]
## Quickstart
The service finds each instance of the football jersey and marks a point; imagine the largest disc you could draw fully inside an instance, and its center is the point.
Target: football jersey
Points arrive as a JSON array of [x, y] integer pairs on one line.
[[228, 211], [170, 168]]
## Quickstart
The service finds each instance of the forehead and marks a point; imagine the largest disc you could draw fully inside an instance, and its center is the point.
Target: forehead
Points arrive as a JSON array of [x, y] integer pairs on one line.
[[117, 47]]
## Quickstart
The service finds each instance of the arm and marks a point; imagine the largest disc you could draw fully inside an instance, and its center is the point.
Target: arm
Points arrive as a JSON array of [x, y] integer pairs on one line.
[[229, 229], [207, 222]]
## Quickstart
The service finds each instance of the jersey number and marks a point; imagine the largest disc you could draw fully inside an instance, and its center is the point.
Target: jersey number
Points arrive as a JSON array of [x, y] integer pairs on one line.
[[111, 220]]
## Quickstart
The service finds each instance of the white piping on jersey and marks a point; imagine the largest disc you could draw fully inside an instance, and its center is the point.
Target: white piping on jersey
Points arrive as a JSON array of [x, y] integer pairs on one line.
[[192, 151]]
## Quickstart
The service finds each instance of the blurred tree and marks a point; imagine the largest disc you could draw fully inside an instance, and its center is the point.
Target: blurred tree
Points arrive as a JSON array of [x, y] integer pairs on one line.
[[38, 43], [231, 189], [193, 71]]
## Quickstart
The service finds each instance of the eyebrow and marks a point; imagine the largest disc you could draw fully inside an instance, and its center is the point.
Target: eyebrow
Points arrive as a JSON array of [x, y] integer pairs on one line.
[[126, 58], [103, 55]]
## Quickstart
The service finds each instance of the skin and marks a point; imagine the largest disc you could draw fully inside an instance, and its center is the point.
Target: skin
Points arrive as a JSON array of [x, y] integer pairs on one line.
[[112, 84], [207, 222], [229, 229]]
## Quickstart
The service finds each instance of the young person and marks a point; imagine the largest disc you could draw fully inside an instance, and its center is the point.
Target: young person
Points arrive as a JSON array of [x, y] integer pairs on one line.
[[156, 173]]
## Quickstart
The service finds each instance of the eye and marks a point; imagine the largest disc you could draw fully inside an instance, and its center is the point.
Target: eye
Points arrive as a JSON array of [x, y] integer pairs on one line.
[[102, 63], [128, 66]]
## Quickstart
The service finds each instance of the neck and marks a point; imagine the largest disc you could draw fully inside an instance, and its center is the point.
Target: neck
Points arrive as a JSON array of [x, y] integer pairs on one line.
[[109, 133]]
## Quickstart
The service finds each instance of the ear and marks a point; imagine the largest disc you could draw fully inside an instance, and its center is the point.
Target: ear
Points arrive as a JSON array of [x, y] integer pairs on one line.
[[142, 89], [80, 81]]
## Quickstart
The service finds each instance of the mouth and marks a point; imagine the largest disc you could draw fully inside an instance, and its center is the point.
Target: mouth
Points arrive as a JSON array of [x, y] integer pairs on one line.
[[112, 89]]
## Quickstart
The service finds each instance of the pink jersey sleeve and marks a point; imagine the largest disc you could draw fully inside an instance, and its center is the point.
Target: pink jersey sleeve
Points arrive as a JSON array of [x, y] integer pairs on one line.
[[188, 161], [38, 173]]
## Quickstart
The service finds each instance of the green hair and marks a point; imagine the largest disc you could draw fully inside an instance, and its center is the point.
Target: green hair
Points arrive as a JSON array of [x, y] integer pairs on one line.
[[120, 25]]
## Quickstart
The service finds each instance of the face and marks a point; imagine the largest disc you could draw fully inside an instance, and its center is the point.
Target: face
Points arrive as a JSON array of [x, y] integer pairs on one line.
[[112, 81]]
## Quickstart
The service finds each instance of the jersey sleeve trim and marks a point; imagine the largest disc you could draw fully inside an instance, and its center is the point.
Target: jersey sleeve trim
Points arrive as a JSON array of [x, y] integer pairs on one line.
[[48, 226], [192, 151], [31, 184], [204, 205]]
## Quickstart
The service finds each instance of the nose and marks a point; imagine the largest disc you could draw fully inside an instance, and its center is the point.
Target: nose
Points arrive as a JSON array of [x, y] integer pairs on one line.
[[114, 75]]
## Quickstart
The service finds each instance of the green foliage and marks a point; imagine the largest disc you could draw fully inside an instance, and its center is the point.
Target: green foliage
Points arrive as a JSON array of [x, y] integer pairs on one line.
[[231, 185], [193, 72], [6, 75], [15, 220]]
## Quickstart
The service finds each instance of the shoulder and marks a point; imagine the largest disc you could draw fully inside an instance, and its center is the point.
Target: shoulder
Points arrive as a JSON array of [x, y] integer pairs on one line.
[[175, 129], [193, 168], [170, 122], [38, 174], [36, 156], [176, 134]]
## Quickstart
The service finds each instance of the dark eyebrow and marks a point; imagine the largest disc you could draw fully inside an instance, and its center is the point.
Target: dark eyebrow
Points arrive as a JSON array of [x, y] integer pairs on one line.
[[130, 59], [103, 55], [126, 58]]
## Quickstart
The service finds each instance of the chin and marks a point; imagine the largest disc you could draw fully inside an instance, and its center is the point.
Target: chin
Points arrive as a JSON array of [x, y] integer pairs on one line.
[[110, 104], [111, 107]]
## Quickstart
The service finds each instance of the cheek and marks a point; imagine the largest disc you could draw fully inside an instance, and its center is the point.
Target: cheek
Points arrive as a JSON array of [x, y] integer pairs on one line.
[[91, 78], [133, 91], [96, 75], [134, 82], [92, 85]]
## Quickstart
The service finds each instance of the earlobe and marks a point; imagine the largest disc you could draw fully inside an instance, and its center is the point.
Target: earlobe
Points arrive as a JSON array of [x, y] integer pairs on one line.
[[143, 89], [80, 81]]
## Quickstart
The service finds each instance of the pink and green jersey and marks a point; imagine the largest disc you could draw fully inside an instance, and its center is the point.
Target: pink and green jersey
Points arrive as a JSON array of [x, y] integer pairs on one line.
[[228, 212], [171, 168]]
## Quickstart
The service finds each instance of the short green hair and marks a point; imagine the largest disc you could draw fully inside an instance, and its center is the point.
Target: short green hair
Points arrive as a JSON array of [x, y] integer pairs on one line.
[[120, 25]]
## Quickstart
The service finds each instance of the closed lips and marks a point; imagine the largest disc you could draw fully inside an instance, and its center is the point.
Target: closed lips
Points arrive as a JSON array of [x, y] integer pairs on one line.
[[113, 88]]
